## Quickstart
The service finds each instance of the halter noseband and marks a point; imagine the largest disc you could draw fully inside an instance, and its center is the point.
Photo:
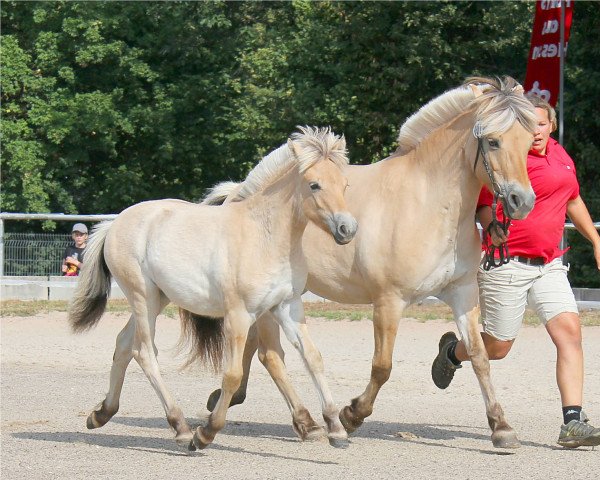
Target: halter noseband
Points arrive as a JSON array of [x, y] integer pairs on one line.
[[490, 251]]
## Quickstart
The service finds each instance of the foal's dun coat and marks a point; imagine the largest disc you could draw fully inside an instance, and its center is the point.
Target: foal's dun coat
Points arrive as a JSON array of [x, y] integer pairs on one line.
[[232, 263], [418, 237]]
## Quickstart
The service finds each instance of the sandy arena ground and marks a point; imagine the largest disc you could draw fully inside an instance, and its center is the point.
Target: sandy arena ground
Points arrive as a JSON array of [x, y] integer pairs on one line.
[[51, 379]]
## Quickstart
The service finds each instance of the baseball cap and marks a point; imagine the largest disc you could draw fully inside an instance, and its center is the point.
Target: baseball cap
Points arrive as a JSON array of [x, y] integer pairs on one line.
[[79, 227]]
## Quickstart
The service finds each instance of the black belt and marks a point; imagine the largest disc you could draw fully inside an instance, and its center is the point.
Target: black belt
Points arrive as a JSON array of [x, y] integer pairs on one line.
[[535, 261]]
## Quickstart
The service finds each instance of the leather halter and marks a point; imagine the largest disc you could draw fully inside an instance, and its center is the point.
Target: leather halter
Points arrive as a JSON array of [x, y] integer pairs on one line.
[[490, 251]]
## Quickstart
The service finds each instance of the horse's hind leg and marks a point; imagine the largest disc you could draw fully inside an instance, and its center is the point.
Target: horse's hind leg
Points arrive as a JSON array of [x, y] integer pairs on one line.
[[290, 315], [237, 323], [121, 358], [386, 315], [144, 352], [465, 305], [240, 395], [272, 356]]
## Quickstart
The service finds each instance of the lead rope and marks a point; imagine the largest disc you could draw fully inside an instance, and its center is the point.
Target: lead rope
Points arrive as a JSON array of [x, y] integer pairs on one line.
[[490, 250]]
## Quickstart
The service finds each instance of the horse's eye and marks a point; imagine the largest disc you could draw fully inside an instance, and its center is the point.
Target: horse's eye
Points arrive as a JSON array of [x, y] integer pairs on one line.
[[314, 186], [493, 143]]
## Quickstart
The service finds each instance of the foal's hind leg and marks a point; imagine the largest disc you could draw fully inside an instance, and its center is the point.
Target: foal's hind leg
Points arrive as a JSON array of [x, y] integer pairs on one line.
[[290, 315], [272, 356], [465, 304], [121, 358], [144, 352]]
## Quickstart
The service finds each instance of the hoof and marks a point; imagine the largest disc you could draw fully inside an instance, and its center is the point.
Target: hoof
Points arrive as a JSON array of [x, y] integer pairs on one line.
[[314, 435], [92, 423], [213, 398], [348, 420], [185, 440], [505, 439], [339, 442], [197, 443], [191, 447], [211, 403]]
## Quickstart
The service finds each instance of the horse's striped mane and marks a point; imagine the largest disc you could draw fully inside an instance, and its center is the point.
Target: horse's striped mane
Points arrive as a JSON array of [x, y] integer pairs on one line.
[[314, 145], [501, 104]]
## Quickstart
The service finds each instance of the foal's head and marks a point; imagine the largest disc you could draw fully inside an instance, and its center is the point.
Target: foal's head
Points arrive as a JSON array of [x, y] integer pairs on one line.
[[321, 155]]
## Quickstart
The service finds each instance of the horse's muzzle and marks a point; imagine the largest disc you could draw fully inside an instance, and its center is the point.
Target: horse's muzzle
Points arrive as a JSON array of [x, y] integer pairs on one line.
[[343, 227], [518, 201]]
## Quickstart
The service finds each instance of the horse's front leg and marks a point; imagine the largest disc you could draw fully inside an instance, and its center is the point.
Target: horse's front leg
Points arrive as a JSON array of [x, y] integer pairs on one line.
[[386, 315], [236, 328], [290, 316], [272, 356], [464, 301]]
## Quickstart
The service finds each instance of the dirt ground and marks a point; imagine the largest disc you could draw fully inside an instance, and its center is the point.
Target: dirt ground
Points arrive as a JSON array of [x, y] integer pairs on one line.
[[51, 379]]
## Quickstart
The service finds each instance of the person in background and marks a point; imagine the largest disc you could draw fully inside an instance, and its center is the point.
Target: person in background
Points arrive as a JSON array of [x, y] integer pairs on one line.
[[536, 275], [73, 256]]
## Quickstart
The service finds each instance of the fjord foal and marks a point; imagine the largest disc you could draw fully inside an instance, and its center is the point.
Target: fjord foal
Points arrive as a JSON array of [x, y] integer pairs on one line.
[[418, 236], [224, 266]]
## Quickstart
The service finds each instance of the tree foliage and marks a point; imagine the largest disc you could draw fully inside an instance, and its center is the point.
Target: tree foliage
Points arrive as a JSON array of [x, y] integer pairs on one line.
[[105, 104]]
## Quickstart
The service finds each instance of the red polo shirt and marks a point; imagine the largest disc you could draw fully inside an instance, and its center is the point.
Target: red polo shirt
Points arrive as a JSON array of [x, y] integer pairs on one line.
[[554, 181]]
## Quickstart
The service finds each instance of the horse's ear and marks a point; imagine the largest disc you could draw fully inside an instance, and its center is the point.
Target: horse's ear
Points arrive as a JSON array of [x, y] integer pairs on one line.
[[476, 90], [294, 148]]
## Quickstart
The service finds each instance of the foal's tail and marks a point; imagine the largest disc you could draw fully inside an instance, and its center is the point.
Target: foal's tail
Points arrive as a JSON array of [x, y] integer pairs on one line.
[[93, 286], [205, 338]]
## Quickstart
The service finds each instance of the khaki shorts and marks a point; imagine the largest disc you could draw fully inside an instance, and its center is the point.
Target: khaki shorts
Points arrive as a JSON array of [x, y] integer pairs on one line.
[[505, 291]]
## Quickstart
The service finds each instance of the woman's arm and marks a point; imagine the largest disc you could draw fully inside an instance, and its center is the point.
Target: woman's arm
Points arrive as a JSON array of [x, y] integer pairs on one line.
[[580, 216]]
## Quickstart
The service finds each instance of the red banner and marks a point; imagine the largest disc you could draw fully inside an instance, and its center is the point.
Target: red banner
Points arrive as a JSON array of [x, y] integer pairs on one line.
[[543, 64]]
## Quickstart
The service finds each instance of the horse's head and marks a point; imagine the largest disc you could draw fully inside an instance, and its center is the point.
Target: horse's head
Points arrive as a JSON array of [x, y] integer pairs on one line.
[[504, 126], [321, 156]]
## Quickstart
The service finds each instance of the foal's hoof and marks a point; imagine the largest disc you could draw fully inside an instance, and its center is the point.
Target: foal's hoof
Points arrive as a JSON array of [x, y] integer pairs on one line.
[[505, 439], [92, 421], [185, 440], [339, 442], [314, 434], [349, 420]]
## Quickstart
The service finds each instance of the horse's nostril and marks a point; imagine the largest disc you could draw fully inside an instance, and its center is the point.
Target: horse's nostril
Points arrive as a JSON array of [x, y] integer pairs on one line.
[[343, 229], [515, 201]]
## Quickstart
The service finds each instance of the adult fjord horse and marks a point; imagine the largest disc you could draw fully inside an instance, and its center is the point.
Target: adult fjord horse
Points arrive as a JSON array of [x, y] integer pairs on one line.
[[418, 237], [224, 266]]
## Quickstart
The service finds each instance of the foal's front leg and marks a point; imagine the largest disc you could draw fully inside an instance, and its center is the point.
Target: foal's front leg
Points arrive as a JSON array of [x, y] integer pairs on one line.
[[290, 315]]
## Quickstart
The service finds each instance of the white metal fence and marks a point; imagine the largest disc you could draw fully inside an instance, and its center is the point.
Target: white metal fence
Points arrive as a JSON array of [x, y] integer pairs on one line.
[[27, 254]]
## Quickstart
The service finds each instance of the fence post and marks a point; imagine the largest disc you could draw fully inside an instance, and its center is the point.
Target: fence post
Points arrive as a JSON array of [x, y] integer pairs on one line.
[[1, 248]]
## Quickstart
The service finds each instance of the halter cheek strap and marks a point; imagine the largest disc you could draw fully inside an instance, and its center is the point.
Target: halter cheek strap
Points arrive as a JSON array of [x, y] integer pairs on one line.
[[490, 251]]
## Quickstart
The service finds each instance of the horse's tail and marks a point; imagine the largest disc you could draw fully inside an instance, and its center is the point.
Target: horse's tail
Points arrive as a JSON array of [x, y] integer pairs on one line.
[[205, 338], [93, 286], [221, 192]]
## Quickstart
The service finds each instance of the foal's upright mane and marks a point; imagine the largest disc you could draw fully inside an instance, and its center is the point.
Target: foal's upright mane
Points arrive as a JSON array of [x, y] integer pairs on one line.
[[500, 104], [314, 144]]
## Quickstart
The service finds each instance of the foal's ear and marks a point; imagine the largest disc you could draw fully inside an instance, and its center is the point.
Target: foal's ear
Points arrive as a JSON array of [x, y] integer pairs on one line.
[[476, 90], [294, 148]]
